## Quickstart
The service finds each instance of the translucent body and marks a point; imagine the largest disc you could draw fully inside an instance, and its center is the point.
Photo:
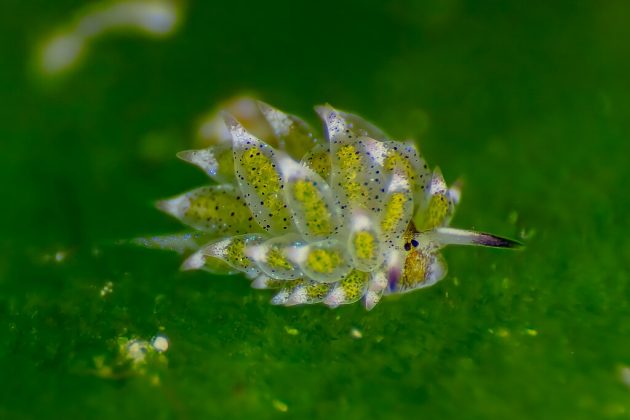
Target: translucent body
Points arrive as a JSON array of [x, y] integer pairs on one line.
[[356, 216]]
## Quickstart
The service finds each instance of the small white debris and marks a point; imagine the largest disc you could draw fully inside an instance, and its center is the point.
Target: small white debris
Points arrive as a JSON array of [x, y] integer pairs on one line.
[[60, 256], [291, 331], [280, 406], [107, 289], [503, 332], [137, 350], [356, 333], [160, 343]]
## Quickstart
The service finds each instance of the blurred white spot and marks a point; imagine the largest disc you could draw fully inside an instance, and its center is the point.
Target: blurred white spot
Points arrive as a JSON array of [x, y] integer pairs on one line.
[[625, 375], [502, 332], [160, 343], [291, 331], [54, 257], [531, 332], [107, 289], [61, 52], [136, 350], [356, 333], [156, 18], [280, 406], [60, 256], [212, 130]]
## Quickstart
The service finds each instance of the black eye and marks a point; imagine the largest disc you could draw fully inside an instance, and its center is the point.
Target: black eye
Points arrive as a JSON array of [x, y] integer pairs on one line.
[[407, 246], [414, 243]]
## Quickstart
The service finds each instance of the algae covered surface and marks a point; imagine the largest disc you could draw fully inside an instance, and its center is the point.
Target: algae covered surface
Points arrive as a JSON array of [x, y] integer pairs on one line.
[[527, 102]]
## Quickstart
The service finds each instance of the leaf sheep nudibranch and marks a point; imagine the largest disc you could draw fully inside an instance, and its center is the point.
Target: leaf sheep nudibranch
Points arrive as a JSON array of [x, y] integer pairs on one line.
[[353, 217]]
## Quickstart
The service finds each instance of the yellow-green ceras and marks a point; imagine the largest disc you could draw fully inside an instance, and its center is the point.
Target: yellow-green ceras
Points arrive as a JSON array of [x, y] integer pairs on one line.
[[350, 216]]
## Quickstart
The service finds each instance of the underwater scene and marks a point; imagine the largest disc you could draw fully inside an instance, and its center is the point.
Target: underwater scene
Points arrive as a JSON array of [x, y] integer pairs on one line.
[[390, 210]]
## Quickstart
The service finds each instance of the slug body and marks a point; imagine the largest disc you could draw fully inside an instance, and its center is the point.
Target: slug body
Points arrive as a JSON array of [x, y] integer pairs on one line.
[[349, 217]]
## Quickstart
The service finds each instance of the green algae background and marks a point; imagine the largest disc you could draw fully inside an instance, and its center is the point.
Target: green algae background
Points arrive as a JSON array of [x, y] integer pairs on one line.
[[529, 102]]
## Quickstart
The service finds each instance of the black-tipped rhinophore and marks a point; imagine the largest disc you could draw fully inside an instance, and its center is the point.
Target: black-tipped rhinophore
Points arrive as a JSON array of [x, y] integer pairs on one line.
[[450, 236], [486, 239]]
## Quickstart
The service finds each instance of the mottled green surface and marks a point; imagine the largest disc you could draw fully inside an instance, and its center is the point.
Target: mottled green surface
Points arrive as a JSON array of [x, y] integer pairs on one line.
[[528, 101]]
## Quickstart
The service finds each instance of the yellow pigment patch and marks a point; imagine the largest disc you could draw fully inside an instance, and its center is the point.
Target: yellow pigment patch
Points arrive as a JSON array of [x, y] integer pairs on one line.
[[317, 291], [314, 209], [235, 253], [350, 166], [353, 285], [436, 212], [355, 192], [396, 159], [319, 163], [349, 161], [394, 212], [204, 207], [415, 271], [364, 246], [290, 285], [275, 284], [260, 172], [219, 210], [275, 259], [323, 261]]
